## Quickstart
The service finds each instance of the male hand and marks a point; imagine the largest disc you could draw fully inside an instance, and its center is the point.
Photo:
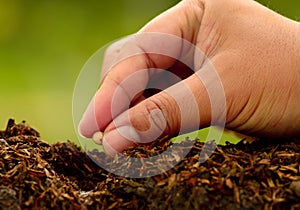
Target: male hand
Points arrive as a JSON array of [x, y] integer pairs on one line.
[[253, 50]]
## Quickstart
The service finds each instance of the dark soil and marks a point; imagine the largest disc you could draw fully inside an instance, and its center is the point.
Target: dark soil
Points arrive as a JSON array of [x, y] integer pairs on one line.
[[36, 175]]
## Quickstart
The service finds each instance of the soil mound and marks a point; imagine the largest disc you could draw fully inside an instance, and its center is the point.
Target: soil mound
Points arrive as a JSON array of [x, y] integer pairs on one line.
[[264, 174]]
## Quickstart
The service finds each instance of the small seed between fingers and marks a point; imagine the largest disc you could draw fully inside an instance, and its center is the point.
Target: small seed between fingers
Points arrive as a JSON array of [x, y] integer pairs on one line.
[[97, 137]]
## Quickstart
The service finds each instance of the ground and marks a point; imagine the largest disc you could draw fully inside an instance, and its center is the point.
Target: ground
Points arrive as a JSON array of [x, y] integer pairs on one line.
[[264, 174]]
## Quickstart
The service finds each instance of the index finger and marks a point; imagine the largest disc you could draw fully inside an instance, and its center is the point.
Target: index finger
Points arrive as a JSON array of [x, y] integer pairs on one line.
[[136, 53]]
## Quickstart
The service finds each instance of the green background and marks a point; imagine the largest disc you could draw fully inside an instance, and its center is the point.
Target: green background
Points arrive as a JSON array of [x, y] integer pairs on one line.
[[44, 44]]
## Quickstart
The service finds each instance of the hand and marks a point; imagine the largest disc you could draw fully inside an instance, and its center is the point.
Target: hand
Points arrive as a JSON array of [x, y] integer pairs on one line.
[[254, 51]]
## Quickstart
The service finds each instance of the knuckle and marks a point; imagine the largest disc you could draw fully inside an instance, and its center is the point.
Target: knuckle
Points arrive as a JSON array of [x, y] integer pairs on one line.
[[111, 56], [164, 112]]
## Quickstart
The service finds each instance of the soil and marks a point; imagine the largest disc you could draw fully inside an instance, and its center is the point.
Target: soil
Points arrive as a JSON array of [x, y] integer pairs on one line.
[[34, 174]]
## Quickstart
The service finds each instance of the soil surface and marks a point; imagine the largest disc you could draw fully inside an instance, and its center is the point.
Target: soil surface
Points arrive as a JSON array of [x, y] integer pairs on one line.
[[264, 174]]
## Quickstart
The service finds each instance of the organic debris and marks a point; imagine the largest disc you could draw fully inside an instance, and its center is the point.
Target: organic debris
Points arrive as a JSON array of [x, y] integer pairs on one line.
[[36, 175]]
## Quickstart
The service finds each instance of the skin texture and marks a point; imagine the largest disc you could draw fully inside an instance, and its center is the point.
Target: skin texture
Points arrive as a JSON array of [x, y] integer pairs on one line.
[[255, 52]]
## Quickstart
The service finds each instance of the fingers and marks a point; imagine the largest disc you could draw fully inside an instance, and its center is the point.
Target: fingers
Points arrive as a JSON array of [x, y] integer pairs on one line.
[[101, 111], [184, 107], [142, 57], [143, 51]]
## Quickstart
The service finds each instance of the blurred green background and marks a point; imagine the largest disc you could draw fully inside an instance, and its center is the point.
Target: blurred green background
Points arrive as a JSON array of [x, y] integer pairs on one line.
[[44, 44]]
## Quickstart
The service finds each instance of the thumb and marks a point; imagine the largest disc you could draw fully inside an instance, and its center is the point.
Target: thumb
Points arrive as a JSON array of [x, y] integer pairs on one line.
[[154, 46], [142, 57], [181, 108]]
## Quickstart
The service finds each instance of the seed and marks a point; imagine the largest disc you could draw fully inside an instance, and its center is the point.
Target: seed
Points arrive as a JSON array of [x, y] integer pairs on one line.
[[97, 137]]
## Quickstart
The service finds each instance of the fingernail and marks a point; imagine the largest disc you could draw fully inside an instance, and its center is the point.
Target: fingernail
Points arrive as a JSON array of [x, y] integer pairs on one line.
[[129, 133], [119, 139]]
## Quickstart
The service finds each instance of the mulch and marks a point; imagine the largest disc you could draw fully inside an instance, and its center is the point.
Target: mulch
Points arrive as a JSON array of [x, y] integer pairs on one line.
[[34, 174]]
